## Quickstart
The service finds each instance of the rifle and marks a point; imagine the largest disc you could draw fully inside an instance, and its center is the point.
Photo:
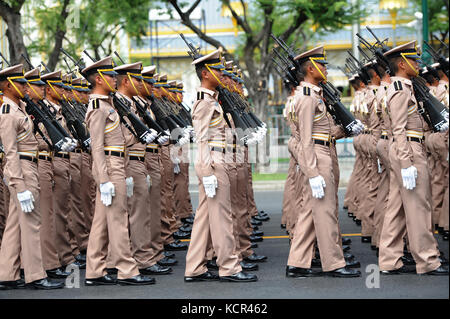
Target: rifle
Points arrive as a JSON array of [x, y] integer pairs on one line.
[[39, 116], [438, 58], [433, 111], [340, 114], [75, 125], [142, 107]]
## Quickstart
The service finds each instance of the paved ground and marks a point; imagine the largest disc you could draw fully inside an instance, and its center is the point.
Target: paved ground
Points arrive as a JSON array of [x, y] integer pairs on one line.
[[272, 282]]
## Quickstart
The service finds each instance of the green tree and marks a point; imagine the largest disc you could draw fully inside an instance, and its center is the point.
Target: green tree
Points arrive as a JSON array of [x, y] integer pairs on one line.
[[10, 13], [291, 20]]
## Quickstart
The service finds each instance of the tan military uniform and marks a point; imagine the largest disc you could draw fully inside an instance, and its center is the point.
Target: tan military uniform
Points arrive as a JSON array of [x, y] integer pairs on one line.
[[213, 219], [383, 155], [110, 223], [318, 218], [21, 238], [408, 209]]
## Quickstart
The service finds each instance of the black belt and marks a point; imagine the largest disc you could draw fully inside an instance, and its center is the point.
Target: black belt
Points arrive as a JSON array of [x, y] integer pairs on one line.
[[77, 151], [115, 153], [320, 142], [415, 139], [218, 149], [46, 158], [137, 158], [62, 155], [152, 150], [29, 158], [384, 137]]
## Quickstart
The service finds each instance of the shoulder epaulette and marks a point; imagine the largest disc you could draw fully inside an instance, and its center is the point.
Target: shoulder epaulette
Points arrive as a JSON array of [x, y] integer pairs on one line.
[[375, 91], [95, 104], [398, 86], [200, 95], [306, 90], [6, 108]]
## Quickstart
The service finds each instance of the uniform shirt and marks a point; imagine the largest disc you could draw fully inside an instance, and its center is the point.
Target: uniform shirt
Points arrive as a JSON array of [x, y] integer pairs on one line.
[[16, 134], [385, 121], [374, 124], [133, 144], [312, 120], [404, 117], [152, 115], [209, 126], [106, 130]]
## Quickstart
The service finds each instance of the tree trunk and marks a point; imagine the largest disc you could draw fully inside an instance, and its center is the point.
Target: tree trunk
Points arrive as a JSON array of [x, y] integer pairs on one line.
[[15, 37], [59, 37]]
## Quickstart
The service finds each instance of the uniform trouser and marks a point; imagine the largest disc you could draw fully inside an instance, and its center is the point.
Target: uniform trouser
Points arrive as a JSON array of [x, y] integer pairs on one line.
[[110, 226], [50, 257], [251, 204], [3, 203], [61, 208], [336, 174], [183, 205], [153, 163], [318, 220], [78, 224], [139, 214], [21, 244], [300, 182], [350, 195], [437, 145], [383, 190], [289, 191], [410, 210], [168, 218], [87, 193], [243, 216], [445, 209], [213, 224], [372, 181]]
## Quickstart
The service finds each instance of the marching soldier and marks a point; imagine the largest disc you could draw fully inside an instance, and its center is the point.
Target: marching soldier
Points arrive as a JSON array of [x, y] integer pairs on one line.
[[213, 222], [65, 241], [153, 163], [21, 243], [108, 164], [130, 84], [318, 218], [50, 257], [408, 204]]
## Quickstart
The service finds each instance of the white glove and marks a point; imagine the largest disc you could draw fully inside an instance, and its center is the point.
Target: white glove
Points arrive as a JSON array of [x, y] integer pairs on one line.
[[150, 136], [183, 140], [264, 125], [176, 169], [210, 185], [130, 184], [163, 139], [444, 127], [380, 169], [149, 182], [409, 176], [107, 192], [26, 201], [297, 168], [317, 186], [358, 128]]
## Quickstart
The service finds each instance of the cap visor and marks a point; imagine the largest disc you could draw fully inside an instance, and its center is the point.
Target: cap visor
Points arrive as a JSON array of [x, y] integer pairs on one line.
[[151, 81], [137, 77], [110, 73], [20, 80], [218, 67], [37, 82]]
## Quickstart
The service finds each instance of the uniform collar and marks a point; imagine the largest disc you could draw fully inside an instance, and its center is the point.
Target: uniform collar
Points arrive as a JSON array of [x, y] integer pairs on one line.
[[98, 96], [213, 94]]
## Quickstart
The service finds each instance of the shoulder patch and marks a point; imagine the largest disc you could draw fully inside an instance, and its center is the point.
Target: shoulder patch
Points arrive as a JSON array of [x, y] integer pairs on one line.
[[95, 104], [375, 91], [306, 91], [6, 109], [200, 95], [398, 86]]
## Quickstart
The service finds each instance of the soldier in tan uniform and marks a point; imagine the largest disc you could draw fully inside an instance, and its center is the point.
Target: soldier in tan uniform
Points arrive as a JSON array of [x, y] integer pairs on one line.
[[213, 222], [409, 190], [21, 243], [318, 218], [65, 242], [130, 84], [110, 223], [50, 256], [153, 163]]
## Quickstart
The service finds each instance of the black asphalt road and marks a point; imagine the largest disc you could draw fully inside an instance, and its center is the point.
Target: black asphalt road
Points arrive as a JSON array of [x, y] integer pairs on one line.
[[272, 282]]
